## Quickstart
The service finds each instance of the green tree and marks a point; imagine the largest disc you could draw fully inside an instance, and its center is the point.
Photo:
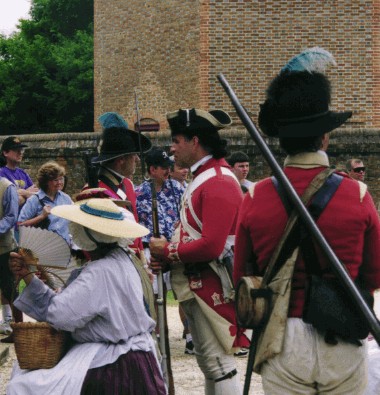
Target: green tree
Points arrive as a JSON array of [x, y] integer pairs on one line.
[[46, 70]]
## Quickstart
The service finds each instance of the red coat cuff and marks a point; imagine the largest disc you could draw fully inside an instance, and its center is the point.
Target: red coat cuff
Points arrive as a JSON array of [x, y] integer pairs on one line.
[[171, 252]]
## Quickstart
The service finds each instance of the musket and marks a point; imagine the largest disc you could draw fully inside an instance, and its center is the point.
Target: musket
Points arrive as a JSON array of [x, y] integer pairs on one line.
[[161, 305], [138, 123], [92, 170], [337, 267]]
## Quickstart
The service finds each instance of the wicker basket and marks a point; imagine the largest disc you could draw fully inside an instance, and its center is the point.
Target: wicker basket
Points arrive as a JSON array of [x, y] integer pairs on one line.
[[38, 345]]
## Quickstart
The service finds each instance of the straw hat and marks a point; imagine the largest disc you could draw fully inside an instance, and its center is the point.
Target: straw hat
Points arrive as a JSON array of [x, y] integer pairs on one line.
[[103, 216]]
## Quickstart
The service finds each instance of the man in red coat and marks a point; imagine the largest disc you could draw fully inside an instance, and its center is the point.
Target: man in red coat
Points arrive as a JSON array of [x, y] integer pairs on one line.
[[297, 112], [202, 242], [118, 157]]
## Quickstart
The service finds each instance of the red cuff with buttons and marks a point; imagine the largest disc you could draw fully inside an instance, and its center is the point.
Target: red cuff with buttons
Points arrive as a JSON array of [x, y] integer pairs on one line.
[[171, 252]]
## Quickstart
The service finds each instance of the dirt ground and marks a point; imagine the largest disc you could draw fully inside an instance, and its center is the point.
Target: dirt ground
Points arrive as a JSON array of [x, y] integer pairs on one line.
[[188, 379]]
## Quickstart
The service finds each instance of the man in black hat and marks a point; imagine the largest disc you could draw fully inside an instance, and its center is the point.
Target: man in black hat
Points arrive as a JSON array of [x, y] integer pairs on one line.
[[118, 157], [169, 193], [297, 112], [199, 252]]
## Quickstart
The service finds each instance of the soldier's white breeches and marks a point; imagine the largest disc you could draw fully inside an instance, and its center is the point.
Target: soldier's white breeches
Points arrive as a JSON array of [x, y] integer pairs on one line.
[[218, 367], [308, 365]]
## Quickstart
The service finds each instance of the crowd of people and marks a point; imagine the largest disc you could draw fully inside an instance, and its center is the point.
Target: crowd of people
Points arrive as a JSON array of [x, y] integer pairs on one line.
[[211, 228]]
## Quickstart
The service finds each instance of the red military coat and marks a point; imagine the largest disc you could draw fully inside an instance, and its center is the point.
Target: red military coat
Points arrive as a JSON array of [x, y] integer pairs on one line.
[[216, 203], [349, 223]]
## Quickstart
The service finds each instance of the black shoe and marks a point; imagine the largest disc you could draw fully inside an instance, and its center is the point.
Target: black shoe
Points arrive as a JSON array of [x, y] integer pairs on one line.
[[8, 339], [189, 348]]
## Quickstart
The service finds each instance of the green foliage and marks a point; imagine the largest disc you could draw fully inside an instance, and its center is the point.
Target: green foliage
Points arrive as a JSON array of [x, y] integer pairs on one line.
[[21, 286], [170, 299], [46, 70]]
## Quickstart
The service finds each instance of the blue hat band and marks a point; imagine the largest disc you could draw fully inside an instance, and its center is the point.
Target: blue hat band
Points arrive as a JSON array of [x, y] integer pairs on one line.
[[101, 213]]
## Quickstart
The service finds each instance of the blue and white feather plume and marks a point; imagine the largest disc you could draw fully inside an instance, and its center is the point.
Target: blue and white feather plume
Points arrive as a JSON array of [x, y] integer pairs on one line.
[[314, 59]]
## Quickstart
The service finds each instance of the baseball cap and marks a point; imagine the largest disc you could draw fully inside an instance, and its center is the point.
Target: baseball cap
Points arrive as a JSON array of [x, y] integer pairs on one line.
[[12, 143], [158, 157]]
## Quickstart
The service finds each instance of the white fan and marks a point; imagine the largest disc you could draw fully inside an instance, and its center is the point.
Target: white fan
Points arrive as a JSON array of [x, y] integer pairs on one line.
[[44, 248]]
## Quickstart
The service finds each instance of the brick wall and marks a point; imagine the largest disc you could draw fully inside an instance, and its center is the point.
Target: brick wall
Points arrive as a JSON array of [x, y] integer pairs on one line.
[[171, 51], [148, 46]]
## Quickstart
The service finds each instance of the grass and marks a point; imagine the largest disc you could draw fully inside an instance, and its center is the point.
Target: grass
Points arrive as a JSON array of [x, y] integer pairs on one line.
[[21, 286], [170, 300]]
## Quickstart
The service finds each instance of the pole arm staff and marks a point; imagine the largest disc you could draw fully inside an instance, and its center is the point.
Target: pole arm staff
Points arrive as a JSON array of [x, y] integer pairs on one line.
[[92, 171], [160, 289], [138, 122], [337, 266]]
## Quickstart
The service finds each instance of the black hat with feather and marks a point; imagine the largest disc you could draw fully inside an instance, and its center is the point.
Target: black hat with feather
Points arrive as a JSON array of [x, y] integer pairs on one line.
[[298, 99]]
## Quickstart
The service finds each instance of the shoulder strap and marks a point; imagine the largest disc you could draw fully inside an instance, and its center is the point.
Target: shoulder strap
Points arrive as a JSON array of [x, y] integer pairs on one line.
[[318, 204], [281, 194], [186, 202], [197, 182], [290, 238], [324, 195], [321, 198], [41, 202]]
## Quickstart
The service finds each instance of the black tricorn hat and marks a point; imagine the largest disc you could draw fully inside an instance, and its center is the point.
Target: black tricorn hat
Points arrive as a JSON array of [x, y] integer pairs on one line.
[[119, 141], [297, 105], [191, 122]]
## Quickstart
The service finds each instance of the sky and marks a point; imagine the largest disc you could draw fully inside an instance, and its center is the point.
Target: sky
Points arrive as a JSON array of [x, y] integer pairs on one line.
[[10, 12]]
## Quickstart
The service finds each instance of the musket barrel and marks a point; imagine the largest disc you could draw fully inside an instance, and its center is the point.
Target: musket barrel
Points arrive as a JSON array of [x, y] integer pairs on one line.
[[336, 265]]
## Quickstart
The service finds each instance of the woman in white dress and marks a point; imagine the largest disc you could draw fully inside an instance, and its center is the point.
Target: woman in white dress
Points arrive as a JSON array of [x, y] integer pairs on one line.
[[103, 309]]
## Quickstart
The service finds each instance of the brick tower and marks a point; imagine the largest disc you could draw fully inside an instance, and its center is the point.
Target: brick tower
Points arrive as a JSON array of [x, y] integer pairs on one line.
[[171, 51]]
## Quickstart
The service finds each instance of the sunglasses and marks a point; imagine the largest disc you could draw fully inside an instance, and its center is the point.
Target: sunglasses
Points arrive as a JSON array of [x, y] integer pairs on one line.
[[359, 169]]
